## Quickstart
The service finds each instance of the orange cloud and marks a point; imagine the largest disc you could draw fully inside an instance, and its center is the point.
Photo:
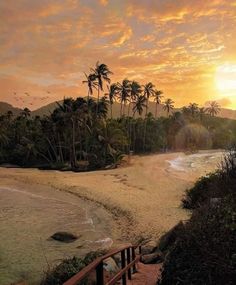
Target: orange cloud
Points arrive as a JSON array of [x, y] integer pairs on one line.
[[178, 45]]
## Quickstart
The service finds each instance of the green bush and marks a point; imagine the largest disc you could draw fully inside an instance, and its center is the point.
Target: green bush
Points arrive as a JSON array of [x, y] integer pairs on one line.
[[205, 188], [205, 250], [69, 267], [215, 185]]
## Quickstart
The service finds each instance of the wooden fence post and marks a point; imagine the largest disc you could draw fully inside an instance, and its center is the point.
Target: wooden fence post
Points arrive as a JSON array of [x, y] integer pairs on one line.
[[128, 262], [123, 266], [99, 273]]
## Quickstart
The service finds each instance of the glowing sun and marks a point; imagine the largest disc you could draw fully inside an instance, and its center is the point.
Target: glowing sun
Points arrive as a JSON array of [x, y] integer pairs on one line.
[[226, 78]]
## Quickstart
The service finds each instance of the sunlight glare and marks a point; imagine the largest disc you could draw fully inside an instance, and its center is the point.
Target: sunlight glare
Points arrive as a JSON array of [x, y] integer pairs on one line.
[[226, 77]]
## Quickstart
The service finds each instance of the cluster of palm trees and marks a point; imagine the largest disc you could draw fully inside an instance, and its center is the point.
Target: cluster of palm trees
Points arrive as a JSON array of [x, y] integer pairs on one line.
[[79, 134], [132, 96], [193, 109]]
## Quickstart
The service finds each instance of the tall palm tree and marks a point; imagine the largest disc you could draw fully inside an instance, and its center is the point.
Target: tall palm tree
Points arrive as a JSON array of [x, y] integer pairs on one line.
[[91, 83], [135, 92], [168, 105], [157, 99], [102, 72], [139, 105], [112, 93], [213, 109], [123, 90], [148, 91], [102, 107]]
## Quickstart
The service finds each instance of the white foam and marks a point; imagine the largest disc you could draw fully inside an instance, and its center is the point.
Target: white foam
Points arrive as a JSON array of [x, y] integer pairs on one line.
[[89, 221]]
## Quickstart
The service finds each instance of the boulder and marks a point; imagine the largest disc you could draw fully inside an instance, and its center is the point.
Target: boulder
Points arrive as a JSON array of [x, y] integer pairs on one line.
[[149, 247], [64, 237], [155, 257], [110, 266]]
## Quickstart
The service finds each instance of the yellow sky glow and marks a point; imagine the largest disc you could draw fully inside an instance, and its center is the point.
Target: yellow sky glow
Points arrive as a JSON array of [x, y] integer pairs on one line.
[[185, 47]]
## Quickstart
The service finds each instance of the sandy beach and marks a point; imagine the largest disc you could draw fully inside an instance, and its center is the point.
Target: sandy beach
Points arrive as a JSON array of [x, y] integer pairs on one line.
[[103, 207]]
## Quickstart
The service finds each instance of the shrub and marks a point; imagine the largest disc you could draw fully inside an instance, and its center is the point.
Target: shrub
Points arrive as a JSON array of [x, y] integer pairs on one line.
[[69, 267], [205, 250], [215, 185]]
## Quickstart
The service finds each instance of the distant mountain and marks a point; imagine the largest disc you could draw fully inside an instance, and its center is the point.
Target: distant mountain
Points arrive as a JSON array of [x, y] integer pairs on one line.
[[5, 107], [47, 109], [227, 113]]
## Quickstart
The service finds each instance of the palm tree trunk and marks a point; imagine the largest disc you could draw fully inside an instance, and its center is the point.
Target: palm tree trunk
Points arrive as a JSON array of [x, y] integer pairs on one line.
[[120, 109], [73, 162], [156, 111], [98, 100], [129, 109], [111, 110], [60, 149], [145, 127]]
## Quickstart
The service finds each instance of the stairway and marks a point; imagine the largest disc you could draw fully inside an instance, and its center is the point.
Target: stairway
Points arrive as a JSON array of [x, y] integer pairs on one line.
[[147, 274]]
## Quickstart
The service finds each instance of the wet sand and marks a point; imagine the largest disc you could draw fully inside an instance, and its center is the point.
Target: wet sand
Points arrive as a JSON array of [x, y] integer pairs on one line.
[[142, 199]]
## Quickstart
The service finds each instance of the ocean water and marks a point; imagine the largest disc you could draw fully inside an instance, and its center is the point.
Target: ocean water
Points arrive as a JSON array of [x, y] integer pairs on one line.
[[189, 163], [28, 219]]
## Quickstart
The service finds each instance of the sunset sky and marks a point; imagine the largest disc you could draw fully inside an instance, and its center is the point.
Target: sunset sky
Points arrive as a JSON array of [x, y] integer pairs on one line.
[[187, 48]]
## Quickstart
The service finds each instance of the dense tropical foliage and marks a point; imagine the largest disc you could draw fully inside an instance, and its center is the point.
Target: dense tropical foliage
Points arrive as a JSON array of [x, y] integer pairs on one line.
[[83, 134], [204, 249]]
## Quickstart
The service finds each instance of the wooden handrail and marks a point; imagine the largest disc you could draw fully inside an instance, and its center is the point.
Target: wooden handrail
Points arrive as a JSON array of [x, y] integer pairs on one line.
[[118, 276], [98, 265]]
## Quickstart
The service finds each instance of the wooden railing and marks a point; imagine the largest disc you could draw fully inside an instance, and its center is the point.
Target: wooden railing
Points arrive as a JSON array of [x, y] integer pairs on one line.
[[128, 262]]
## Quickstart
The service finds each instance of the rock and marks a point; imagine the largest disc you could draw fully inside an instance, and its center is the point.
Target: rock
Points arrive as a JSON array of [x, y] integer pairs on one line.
[[111, 166], [149, 247], [64, 237], [170, 237], [110, 266], [156, 257]]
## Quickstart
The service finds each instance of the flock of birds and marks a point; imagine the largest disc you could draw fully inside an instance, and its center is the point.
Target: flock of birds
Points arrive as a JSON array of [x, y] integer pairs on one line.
[[23, 98]]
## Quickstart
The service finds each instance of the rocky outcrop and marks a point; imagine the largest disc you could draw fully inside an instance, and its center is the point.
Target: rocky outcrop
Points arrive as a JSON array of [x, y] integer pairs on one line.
[[64, 237]]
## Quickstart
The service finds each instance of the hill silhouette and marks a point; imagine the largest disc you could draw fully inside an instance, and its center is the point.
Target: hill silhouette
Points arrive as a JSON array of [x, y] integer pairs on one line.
[[47, 109]]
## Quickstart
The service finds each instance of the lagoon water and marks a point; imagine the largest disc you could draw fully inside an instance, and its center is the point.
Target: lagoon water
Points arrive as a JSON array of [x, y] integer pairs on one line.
[[27, 220]]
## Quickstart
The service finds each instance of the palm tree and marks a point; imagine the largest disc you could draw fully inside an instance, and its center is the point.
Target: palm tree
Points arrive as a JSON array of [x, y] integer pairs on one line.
[[112, 93], [135, 92], [102, 73], [213, 109], [157, 99], [139, 105], [168, 105], [123, 90], [201, 112], [102, 107], [193, 108], [91, 82], [148, 92]]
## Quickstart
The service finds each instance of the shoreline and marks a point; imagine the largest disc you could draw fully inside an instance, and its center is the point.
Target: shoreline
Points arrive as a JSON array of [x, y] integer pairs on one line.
[[138, 201]]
